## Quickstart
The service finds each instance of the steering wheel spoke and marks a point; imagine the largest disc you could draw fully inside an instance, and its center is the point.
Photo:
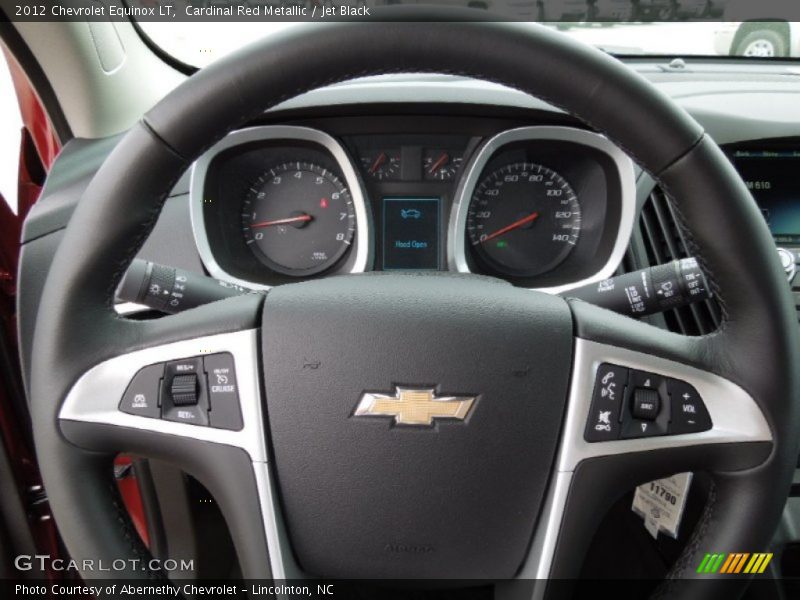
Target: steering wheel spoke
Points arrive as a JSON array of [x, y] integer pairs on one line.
[[197, 404], [133, 393], [699, 422], [625, 403]]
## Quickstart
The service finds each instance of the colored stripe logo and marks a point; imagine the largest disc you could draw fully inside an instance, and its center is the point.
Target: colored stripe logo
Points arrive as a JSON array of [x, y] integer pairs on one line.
[[735, 563]]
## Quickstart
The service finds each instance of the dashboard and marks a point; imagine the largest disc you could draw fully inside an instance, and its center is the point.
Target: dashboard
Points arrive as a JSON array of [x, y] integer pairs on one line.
[[544, 207], [380, 138]]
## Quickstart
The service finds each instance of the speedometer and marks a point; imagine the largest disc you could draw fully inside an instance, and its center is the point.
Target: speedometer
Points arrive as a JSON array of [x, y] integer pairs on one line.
[[523, 220], [298, 218]]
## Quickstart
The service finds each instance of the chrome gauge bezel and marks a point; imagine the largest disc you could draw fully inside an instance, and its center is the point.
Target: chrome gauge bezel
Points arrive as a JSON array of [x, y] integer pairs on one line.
[[362, 243], [456, 239]]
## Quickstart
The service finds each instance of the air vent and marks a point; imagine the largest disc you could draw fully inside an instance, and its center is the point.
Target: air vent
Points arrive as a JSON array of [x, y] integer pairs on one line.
[[658, 241]]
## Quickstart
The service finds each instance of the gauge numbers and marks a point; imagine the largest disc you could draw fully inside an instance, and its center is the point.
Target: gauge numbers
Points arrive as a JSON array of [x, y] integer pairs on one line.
[[524, 220], [298, 218]]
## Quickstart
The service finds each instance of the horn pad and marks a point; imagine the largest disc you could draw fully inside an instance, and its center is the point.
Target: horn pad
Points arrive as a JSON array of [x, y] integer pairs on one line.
[[366, 496]]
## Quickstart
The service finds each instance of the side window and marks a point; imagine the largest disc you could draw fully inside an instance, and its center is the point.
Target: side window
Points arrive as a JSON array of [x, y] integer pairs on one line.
[[10, 131]]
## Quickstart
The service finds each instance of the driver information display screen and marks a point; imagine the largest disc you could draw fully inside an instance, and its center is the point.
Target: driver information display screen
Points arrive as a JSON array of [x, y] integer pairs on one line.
[[773, 178], [411, 234]]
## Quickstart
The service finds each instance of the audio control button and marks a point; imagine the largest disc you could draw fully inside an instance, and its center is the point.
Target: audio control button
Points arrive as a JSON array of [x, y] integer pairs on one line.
[[689, 414], [604, 414]]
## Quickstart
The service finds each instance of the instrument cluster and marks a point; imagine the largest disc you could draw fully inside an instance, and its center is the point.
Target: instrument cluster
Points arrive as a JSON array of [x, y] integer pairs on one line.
[[542, 207]]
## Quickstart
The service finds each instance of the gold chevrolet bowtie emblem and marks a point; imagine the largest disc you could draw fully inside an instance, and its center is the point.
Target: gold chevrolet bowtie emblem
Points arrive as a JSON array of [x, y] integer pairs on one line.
[[414, 407]]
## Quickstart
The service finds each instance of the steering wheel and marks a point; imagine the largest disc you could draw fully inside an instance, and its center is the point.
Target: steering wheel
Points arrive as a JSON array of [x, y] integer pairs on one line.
[[514, 490]]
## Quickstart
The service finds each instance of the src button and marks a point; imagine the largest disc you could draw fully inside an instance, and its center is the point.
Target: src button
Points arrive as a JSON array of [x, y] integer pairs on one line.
[[646, 404], [644, 413]]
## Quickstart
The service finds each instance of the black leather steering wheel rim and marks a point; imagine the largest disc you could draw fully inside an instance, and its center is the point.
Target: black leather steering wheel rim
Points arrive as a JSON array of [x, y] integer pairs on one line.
[[756, 347]]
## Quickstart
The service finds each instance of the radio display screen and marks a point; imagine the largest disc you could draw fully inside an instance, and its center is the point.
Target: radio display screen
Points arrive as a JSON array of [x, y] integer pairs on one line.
[[773, 177], [411, 234]]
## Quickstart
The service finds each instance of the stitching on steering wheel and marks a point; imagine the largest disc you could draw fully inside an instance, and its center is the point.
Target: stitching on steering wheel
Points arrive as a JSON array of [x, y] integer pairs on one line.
[[146, 227], [132, 537], [688, 557]]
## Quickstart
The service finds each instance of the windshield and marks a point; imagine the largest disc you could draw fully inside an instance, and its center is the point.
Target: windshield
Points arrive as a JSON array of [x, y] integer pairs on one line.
[[200, 43]]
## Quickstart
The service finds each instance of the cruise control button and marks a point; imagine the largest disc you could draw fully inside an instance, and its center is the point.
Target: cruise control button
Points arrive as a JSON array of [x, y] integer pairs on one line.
[[183, 367], [223, 392], [604, 415], [141, 397], [183, 390], [689, 414], [185, 406], [194, 415]]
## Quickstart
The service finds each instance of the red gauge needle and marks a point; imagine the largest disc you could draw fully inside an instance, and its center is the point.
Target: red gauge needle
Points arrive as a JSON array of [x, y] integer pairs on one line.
[[524, 220], [299, 219], [439, 163], [378, 162]]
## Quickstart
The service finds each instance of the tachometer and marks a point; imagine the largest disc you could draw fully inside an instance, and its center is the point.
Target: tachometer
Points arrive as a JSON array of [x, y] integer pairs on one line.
[[298, 218], [524, 220]]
